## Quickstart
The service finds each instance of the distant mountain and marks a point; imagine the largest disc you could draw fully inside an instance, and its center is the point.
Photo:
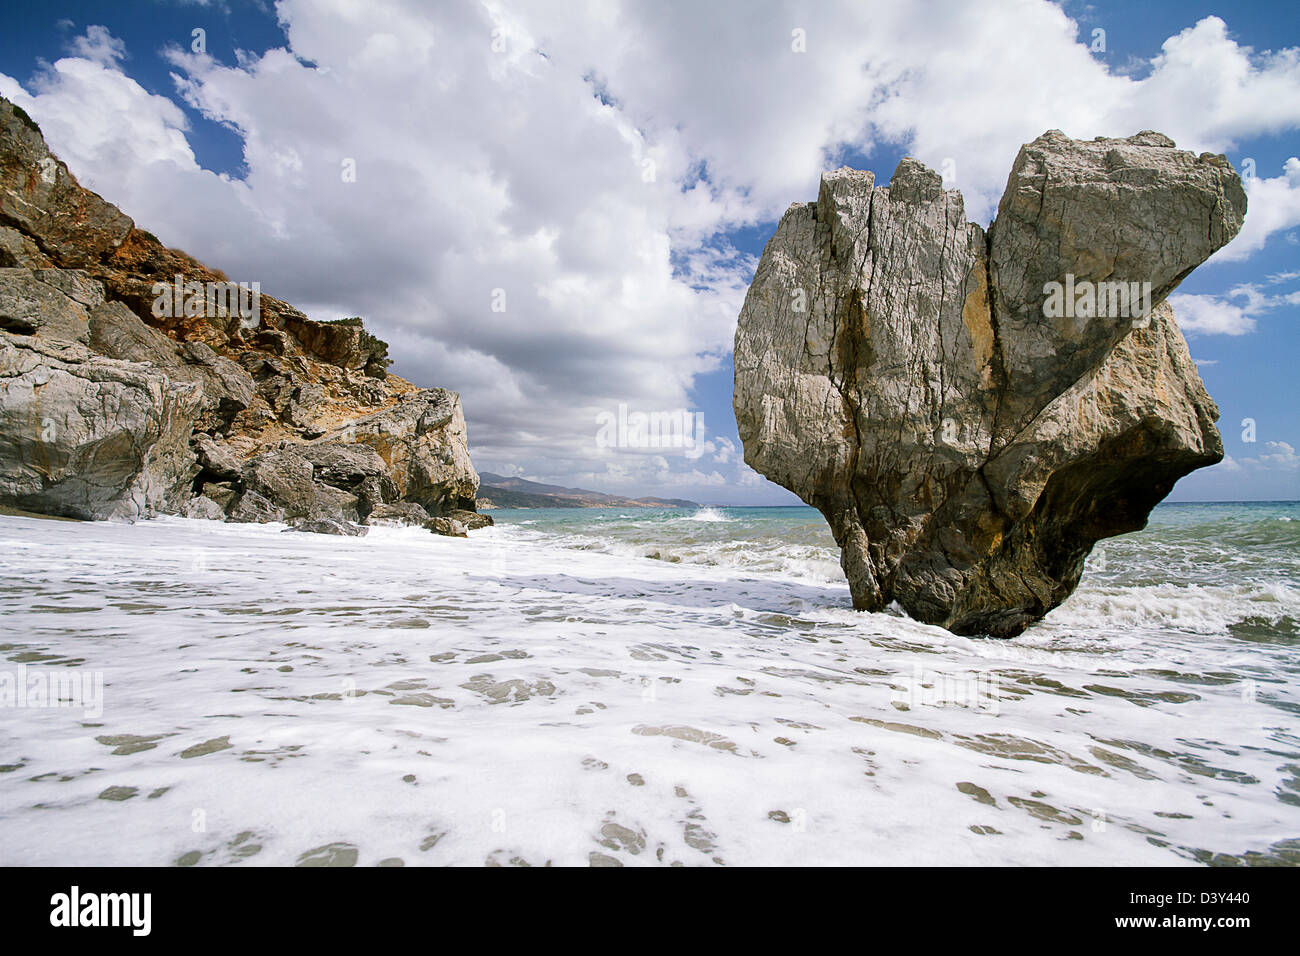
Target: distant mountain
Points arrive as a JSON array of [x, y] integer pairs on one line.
[[506, 492]]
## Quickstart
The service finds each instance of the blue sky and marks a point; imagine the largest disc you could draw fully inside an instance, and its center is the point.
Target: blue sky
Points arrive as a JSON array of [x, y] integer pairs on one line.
[[505, 148]]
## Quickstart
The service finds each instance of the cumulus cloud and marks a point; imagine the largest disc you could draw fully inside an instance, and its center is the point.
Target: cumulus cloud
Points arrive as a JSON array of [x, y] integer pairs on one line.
[[1235, 312], [1277, 456], [1274, 206], [98, 46], [1211, 315], [543, 191]]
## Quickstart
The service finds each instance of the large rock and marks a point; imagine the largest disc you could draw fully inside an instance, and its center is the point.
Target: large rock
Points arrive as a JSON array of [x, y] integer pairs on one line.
[[356, 468], [286, 479], [447, 526], [422, 440], [904, 373], [90, 437], [399, 514], [1104, 210], [329, 526], [219, 461], [472, 520]]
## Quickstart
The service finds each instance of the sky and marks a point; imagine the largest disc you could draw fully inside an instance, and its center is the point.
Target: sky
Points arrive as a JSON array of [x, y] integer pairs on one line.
[[555, 207]]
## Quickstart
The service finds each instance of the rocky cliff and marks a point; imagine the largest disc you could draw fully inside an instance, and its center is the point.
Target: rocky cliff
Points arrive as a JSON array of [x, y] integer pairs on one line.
[[972, 412], [134, 380]]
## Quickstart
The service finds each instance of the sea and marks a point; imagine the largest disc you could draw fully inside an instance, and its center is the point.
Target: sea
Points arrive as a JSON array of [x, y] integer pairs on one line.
[[630, 687]]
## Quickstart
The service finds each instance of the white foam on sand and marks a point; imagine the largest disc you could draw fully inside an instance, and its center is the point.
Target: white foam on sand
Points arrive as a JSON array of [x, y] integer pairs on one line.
[[504, 699]]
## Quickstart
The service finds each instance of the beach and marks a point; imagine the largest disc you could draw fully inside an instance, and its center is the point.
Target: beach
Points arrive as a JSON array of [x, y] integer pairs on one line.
[[636, 687]]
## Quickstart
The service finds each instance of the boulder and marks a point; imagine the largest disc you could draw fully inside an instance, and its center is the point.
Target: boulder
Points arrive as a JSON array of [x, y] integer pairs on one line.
[[90, 437], [422, 441], [470, 519], [284, 477], [217, 459], [399, 514], [253, 508], [204, 507], [224, 493], [329, 526], [916, 380], [1103, 211], [356, 468], [447, 526]]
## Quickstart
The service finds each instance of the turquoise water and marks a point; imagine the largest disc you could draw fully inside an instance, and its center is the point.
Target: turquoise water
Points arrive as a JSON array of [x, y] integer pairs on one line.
[[1241, 557]]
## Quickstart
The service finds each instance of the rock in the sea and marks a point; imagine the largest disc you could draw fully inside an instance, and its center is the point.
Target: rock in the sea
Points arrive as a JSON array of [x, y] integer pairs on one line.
[[224, 493], [399, 514], [329, 526], [204, 507], [286, 478], [470, 519], [973, 412], [447, 526], [218, 460], [253, 508], [410, 515]]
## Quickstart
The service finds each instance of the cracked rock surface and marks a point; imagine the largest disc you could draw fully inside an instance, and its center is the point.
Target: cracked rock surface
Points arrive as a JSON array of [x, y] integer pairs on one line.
[[896, 368]]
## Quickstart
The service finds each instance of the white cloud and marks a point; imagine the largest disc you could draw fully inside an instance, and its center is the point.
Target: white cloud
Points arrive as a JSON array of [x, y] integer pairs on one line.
[[1279, 456], [1273, 206], [98, 46], [1210, 315], [723, 450], [1216, 315]]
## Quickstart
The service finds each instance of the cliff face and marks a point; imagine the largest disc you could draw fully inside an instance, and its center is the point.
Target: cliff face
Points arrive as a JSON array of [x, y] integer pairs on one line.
[[135, 380], [973, 412]]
